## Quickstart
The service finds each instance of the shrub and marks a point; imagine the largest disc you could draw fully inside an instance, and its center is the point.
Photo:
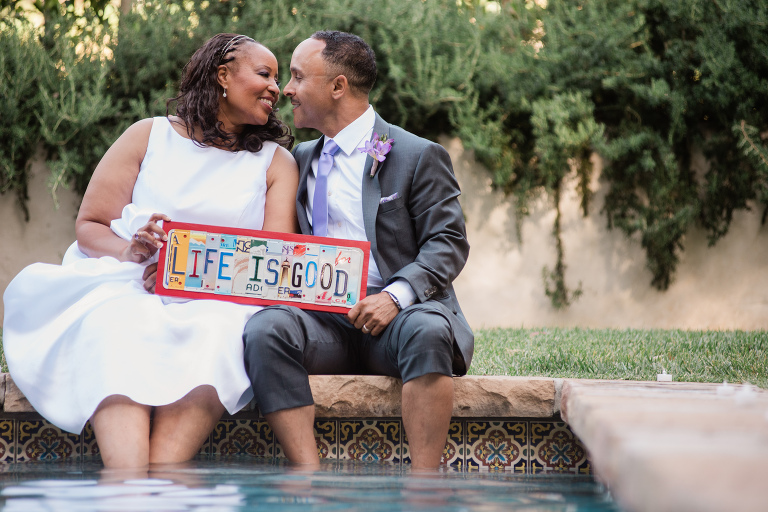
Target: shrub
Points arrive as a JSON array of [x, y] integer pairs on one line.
[[533, 88]]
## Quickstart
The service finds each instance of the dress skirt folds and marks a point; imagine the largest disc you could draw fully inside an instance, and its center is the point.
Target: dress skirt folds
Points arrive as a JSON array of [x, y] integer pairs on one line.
[[79, 332]]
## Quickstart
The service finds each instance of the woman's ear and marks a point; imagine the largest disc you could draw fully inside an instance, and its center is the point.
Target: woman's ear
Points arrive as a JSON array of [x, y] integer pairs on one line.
[[222, 76], [340, 86]]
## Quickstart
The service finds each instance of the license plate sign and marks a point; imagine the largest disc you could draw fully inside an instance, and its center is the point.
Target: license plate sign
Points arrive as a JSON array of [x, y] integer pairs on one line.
[[262, 267]]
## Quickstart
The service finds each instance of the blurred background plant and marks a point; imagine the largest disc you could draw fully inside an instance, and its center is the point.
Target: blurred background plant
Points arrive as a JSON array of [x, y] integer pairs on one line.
[[533, 88]]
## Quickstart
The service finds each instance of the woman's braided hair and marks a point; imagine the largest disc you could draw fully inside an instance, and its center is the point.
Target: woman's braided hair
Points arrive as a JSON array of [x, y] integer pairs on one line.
[[197, 103]]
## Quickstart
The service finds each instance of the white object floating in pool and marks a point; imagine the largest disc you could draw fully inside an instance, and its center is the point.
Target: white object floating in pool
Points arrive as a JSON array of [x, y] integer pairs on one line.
[[148, 481], [663, 376], [59, 483]]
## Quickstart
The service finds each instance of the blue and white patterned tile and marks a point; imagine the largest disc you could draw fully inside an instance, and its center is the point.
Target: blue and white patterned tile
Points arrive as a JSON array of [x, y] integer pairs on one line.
[[496, 446], [555, 449], [585, 468], [327, 438], [370, 440], [242, 437], [41, 440]]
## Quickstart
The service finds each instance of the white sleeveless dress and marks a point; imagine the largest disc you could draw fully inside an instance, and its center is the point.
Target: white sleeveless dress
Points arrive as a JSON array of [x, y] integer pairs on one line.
[[79, 332]]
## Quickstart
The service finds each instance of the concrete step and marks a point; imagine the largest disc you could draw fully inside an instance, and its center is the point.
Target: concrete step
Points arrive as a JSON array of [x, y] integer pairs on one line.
[[674, 447]]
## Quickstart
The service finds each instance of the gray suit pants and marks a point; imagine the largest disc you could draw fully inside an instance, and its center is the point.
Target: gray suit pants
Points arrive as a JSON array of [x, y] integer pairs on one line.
[[284, 344]]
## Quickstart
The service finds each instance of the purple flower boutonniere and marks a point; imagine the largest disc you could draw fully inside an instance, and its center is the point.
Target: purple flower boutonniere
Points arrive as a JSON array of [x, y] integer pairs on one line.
[[378, 149]]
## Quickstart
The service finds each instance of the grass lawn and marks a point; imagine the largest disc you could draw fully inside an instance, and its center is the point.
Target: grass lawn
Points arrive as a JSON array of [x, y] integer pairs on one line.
[[696, 356]]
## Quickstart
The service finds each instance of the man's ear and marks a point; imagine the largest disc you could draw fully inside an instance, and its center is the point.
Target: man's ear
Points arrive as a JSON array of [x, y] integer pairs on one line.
[[222, 76], [340, 87]]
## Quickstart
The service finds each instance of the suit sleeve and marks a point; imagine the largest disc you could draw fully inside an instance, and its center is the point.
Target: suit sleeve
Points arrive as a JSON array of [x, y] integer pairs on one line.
[[438, 223]]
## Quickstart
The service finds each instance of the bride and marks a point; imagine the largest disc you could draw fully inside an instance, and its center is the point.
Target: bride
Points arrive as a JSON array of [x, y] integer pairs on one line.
[[88, 339]]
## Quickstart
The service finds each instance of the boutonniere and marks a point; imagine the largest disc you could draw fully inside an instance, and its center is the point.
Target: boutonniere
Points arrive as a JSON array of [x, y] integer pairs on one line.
[[378, 149]]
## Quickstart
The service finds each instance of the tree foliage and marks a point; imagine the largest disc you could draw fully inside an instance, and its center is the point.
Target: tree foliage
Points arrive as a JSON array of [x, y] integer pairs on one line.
[[533, 88], [664, 80]]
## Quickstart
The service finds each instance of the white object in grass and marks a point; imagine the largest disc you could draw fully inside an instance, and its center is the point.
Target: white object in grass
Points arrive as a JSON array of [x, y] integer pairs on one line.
[[725, 389], [746, 394]]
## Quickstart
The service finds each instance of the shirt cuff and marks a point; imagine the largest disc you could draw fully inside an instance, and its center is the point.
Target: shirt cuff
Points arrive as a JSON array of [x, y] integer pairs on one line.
[[401, 289]]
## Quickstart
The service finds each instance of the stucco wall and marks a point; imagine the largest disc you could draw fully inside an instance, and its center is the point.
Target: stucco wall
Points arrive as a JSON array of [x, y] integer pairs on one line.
[[723, 287], [45, 237]]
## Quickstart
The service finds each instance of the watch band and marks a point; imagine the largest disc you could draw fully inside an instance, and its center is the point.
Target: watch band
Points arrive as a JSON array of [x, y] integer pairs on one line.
[[394, 299]]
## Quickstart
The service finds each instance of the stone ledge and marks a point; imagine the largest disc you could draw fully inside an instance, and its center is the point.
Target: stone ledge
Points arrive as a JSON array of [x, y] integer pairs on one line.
[[360, 396], [363, 396], [15, 401], [673, 446]]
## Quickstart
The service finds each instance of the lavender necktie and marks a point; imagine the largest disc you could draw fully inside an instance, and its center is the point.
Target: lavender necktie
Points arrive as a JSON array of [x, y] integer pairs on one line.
[[320, 201]]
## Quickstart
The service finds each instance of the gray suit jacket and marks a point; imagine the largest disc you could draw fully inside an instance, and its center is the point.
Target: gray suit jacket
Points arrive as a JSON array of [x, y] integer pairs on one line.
[[420, 235]]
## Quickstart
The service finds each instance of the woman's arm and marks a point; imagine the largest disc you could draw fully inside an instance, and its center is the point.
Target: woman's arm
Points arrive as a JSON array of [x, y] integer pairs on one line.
[[110, 189], [282, 182]]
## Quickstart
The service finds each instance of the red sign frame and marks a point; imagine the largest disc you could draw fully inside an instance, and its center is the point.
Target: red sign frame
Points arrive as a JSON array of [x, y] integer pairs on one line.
[[272, 236]]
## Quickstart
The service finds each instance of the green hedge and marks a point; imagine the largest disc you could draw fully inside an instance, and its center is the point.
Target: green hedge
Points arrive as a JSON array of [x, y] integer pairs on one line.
[[533, 89]]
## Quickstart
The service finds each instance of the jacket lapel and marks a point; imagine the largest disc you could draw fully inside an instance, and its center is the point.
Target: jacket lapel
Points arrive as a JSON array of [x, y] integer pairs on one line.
[[305, 157], [371, 198]]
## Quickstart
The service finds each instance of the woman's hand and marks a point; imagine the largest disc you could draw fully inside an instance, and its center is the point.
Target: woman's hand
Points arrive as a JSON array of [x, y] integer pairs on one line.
[[150, 277], [147, 240]]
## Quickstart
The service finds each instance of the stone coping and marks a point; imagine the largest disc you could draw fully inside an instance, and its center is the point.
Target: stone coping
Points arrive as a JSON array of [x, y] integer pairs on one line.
[[365, 396], [674, 446]]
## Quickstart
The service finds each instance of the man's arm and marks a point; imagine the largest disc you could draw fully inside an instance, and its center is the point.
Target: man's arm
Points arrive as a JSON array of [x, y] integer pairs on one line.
[[438, 223], [440, 241]]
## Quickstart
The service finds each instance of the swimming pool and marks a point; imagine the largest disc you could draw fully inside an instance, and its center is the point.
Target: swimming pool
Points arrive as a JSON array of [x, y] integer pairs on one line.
[[216, 484]]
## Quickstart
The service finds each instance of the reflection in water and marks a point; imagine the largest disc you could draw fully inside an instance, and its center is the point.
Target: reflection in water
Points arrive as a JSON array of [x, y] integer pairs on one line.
[[241, 484]]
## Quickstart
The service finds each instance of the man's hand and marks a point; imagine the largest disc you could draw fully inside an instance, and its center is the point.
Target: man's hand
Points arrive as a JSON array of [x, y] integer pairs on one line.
[[373, 314]]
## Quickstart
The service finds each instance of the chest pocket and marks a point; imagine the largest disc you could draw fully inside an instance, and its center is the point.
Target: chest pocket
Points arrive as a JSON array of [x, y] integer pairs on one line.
[[391, 205], [395, 233]]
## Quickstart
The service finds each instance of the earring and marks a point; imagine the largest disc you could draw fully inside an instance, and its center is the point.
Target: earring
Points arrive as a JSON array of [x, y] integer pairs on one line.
[[225, 93]]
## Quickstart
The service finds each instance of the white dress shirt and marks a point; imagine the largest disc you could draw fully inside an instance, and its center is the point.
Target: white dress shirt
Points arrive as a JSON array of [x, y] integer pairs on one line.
[[345, 197]]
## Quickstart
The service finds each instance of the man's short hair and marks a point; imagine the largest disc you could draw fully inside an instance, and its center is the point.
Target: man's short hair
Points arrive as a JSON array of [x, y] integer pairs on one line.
[[348, 55]]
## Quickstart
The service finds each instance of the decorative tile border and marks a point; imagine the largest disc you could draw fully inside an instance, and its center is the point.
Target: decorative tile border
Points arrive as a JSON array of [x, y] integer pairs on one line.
[[90, 447], [554, 449], [482, 444], [7, 446], [327, 438], [41, 440], [453, 453], [370, 440], [496, 446], [242, 437]]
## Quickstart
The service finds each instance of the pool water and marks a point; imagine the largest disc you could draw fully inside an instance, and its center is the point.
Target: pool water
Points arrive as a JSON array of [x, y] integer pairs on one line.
[[243, 484]]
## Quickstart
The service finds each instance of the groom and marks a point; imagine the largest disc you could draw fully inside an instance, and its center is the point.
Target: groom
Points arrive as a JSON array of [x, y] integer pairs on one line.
[[409, 325]]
